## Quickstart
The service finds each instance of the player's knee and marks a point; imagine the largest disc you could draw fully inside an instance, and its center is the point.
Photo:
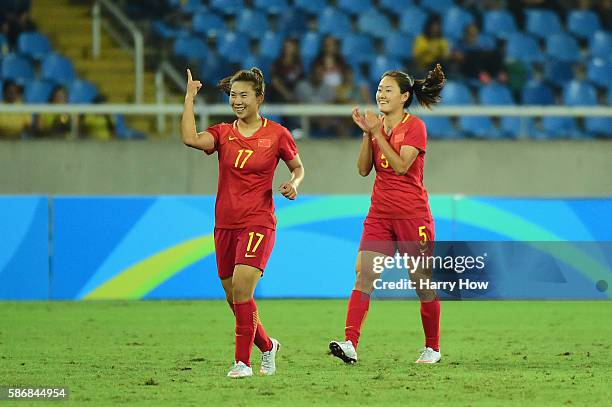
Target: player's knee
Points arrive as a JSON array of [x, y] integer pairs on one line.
[[241, 292]]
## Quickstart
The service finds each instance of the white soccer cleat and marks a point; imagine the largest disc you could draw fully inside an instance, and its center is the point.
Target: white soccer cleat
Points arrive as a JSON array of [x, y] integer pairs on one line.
[[344, 350], [428, 355], [268, 359], [240, 370]]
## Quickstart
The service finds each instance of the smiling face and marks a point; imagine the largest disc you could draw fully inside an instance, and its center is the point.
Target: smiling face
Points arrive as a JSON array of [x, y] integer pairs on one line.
[[243, 100], [389, 97]]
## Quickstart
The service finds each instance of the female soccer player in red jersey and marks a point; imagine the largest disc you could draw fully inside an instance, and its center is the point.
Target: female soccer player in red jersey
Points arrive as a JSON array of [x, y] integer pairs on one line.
[[249, 150], [399, 217]]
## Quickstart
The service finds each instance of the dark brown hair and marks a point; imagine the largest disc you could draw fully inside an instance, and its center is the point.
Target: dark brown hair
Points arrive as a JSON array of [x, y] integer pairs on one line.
[[253, 75], [427, 90]]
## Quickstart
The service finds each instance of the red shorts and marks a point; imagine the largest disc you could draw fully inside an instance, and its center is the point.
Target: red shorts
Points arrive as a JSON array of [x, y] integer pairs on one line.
[[386, 236], [251, 245]]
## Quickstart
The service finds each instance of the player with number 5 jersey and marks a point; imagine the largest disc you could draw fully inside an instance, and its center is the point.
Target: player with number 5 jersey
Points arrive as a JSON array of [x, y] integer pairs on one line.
[[248, 150], [399, 218]]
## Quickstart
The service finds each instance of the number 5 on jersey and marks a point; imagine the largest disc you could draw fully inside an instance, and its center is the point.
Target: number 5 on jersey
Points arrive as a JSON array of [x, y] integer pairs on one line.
[[247, 154], [251, 249]]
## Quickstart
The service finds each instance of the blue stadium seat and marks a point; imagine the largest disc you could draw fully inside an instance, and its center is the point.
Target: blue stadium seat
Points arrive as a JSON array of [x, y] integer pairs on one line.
[[335, 22], [374, 23], [270, 44], [292, 22], [560, 127], [441, 128], [226, 7], [233, 47], [33, 45], [599, 71], [17, 69], [391, 6], [562, 47], [523, 47], [583, 23], [354, 6], [211, 69], [57, 69], [124, 132], [356, 47], [610, 96], [252, 23], [599, 126], [495, 94], [311, 6], [558, 73], [209, 24], [380, 66], [479, 127], [260, 62], [272, 6], [192, 6], [82, 92], [191, 48], [499, 23], [600, 44], [456, 93], [412, 20], [454, 21], [437, 6], [161, 29], [398, 45], [515, 127], [309, 47], [542, 22], [579, 93], [536, 92], [38, 91]]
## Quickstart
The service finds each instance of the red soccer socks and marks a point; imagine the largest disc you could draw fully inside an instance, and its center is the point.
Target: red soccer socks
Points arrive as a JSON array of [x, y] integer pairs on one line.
[[358, 306], [430, 316]]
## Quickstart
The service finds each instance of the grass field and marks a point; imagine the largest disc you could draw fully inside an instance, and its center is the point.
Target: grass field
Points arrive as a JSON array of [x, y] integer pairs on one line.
[[177, 353]]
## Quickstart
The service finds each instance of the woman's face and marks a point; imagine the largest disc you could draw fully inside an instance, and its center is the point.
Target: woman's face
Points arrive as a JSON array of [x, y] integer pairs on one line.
[[243, 100], [389, 97], [290, 48]]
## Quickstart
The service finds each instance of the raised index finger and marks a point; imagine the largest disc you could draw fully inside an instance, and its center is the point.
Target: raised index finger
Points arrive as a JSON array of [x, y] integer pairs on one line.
[[189, 77]]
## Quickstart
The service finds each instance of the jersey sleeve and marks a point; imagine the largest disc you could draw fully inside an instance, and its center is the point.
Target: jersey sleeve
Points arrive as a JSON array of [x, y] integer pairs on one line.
[[416, 136], [216, 133], [287, 150]]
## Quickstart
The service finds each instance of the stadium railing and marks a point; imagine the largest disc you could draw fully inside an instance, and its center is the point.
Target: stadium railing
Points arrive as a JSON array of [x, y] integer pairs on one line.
[[302, 111], [109, 9]]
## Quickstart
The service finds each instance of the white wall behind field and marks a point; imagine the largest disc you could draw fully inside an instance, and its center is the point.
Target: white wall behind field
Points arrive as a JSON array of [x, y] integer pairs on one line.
[[510, 168]]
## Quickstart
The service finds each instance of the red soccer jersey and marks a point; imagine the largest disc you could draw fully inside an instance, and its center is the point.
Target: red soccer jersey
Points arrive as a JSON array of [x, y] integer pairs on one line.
[[246, 170], [395, 196]]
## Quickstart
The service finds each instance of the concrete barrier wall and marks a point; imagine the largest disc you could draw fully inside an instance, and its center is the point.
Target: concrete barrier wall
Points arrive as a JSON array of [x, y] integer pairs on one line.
[[505, 168]]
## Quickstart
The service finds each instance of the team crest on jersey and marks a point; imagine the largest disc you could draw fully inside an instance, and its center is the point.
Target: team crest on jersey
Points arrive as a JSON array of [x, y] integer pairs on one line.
[[264, 142], [399, 137]]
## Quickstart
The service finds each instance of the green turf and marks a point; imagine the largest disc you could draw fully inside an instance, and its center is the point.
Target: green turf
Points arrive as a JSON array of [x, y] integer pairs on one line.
[[494, 353]]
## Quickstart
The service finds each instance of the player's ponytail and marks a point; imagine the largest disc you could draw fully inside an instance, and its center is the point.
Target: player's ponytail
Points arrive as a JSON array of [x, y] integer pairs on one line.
[[427, 91], [253, 75]]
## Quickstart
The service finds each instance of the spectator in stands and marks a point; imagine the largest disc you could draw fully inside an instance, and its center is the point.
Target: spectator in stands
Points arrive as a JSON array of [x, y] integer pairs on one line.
[[430, 47], [350, 92], [315, 90], [331, 61], [14, 125], [96, 126], [286, 71], [475, 59], [604, 9], [54, 124], [15, 19]]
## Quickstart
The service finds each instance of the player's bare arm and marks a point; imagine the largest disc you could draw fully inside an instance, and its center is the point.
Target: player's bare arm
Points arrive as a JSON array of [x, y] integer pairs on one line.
[[189, 134], [364, 162], [289, 189]]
